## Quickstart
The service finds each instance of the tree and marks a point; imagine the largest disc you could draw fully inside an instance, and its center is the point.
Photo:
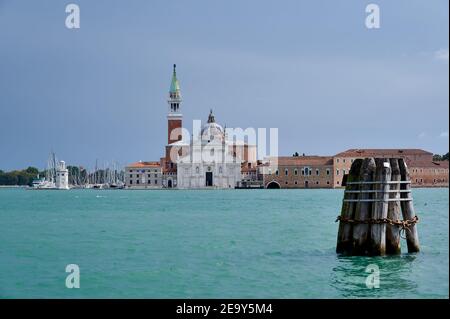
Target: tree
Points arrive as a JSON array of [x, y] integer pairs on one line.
[[32, 170], [8, 179], [437, 157]]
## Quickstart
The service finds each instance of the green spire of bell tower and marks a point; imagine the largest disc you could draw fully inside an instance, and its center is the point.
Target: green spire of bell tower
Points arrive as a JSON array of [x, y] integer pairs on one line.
[[174, 94], [175, 85]]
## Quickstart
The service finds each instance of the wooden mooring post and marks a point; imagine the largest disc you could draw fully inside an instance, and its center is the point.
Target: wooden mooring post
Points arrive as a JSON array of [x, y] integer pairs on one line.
[[377, 194]]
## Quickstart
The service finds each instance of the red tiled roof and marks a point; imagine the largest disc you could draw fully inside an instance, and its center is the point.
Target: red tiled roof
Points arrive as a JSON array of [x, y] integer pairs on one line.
[[144, 164], [373, 152], [304, 160], [429, 164]]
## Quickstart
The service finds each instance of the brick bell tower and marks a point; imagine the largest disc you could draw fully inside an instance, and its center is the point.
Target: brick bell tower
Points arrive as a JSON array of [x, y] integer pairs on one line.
[[174, 116]]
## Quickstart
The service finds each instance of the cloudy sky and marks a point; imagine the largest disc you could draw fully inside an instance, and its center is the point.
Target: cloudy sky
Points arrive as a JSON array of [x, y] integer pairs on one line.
[[309, 68]]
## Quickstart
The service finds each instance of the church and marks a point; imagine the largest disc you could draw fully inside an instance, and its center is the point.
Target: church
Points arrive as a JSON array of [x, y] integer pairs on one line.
[[209, 162], [205, 159]]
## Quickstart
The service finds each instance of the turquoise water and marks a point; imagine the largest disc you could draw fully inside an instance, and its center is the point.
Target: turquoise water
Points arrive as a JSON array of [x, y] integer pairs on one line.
[[205, 244]]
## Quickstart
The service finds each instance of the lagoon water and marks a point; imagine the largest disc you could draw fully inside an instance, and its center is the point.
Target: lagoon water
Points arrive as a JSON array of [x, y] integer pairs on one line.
[[205, 244]]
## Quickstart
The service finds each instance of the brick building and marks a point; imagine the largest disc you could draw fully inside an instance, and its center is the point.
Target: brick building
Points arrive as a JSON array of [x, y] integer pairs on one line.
[[299, 172], [328, 171], [424, 172]]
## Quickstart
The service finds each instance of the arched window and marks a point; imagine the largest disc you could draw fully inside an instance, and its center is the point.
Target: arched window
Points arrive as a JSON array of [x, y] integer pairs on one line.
[[197, 170]]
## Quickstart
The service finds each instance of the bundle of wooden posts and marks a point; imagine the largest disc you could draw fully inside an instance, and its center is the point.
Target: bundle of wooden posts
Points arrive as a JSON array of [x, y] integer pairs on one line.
[[377, 209]]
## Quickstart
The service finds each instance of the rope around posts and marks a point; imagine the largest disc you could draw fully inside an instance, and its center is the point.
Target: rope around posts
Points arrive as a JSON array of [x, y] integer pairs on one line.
[[403, 224]]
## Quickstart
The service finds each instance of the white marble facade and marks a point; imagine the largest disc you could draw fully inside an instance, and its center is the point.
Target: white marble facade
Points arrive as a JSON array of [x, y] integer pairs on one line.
[[209, 164]]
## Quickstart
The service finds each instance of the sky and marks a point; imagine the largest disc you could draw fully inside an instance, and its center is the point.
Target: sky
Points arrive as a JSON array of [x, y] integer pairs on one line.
[[311, 68]]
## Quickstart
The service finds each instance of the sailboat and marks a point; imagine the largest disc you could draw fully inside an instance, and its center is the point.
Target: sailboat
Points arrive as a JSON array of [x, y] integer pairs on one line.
[[47, 182]]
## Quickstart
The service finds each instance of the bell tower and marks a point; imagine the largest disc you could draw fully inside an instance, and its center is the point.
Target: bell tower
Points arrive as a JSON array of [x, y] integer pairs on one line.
[[174, 116]]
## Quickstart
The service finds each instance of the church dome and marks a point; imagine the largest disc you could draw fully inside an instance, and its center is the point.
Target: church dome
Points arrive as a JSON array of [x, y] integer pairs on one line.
[[212, 131]]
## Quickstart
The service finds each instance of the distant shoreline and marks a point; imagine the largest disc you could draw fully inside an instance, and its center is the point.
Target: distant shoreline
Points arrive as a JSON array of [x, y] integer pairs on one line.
[[14, 186], [175, 189]]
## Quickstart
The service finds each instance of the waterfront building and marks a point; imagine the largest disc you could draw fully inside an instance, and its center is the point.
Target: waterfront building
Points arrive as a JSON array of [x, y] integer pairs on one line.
[[210, 161], [298, 172], [62, 176], [329, 171], [143, 175], [207, 160], [424, 171]]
